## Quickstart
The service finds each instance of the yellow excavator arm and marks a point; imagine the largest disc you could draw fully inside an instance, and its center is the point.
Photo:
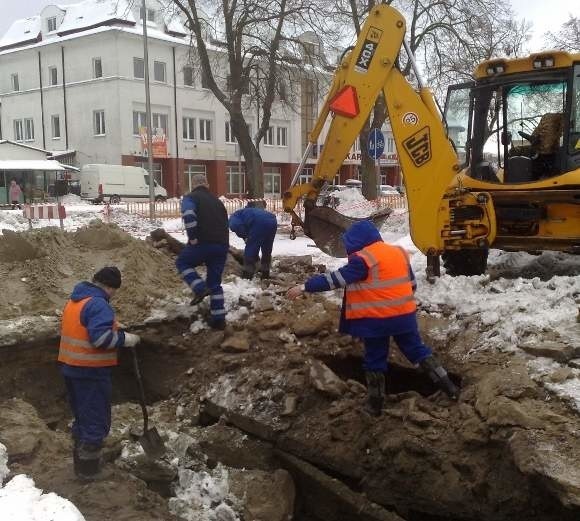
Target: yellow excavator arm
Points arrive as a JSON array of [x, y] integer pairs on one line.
[[428, 160]]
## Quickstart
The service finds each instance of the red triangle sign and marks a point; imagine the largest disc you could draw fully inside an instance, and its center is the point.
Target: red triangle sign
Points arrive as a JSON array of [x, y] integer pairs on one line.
[[345, 102]]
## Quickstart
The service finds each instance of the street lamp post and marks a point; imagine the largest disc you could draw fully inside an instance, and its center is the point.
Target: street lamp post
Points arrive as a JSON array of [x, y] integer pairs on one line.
[[148, 115]]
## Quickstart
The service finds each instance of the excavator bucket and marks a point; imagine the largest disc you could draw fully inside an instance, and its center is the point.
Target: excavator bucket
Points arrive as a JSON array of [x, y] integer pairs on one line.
[[326, 226]]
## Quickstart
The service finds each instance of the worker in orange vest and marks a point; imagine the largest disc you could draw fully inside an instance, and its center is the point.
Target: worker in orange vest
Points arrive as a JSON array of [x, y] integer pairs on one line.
[[378, 303], [90, 338]]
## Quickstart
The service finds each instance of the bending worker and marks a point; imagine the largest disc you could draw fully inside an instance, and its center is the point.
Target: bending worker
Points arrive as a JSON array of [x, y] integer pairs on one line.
[[378, 303], [206, 224], [258, 228], [89, 341]]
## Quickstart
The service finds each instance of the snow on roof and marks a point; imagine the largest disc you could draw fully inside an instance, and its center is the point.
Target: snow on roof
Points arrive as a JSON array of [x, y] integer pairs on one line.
[[30, 164], [21, 31], [94, 12]]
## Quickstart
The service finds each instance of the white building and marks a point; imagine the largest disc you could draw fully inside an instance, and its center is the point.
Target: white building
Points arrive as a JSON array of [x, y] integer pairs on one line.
[[72, 78]]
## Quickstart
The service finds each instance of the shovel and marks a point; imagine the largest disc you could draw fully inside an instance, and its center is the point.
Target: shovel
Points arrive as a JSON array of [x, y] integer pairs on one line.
[[150, 440]]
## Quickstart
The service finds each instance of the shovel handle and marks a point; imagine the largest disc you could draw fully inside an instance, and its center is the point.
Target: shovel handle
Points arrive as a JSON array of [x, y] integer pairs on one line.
[[141, 389]]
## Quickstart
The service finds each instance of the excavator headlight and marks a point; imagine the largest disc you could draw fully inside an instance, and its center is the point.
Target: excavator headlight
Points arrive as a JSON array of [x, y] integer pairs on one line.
[[495, 68], [542, 62]]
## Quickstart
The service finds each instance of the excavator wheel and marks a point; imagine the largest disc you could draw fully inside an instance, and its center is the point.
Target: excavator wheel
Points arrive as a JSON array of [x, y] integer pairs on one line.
[[465, 262]]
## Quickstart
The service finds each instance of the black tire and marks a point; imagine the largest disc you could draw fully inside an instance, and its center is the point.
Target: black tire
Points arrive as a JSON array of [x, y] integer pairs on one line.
[[465, 262], [160, 198], [114, 199]]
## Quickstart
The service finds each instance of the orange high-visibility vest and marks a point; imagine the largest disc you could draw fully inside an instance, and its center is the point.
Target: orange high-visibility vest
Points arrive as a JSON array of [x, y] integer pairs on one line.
[[387, 290], [75, 344]]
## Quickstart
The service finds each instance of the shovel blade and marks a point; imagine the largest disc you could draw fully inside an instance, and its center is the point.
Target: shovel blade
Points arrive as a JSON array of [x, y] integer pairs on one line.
[[326, 226], [152, 443]]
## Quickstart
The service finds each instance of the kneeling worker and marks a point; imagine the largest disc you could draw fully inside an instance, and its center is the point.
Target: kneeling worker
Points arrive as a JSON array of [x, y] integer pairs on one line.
[[90, 337], [258, 228], [378, 303]]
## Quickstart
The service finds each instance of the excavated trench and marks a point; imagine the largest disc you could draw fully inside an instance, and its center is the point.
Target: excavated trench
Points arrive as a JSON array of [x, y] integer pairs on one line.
[[29, 372]]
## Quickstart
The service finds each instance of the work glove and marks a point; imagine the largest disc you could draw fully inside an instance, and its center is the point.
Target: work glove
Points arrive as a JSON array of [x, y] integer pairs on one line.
[[131, 340]]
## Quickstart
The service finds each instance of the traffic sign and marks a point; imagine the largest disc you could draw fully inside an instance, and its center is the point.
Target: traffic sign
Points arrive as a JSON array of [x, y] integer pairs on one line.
[[376, 144]]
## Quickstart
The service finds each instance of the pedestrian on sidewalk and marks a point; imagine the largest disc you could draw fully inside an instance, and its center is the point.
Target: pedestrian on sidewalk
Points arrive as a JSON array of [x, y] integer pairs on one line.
[[258, 228], [206, 224], [15, 193], [378, 303], [90, 339]]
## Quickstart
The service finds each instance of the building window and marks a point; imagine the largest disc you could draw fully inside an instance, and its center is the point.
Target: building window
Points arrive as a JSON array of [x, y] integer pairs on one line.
[[138, 68], [18, 130], [272, 182], [51, 23], [188, 76], [204, 80], [150, 14], [159, 121], [28, 129], [52, 76], [15, 83], [139, 122], [282, 136], [230, 138], [55, 124], [99, 122], [157, 172], [97, 68], [235, 181], [269, 136], [306, 175], [205, 129], [192, 170], [390, 145], [159, 71], [189, 129]]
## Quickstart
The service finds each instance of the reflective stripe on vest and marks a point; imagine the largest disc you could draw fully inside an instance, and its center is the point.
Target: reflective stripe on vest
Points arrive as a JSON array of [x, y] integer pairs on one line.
[[387, 291], [75, 345]]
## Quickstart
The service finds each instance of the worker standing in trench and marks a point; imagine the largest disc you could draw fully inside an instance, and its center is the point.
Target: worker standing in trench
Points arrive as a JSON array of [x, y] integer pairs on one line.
[[378, 303], [90, 338], [206, 223], [258, 228]]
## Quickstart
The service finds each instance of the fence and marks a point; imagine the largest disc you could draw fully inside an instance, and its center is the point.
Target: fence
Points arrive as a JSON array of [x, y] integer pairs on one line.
[[171, 209], [45, 211]]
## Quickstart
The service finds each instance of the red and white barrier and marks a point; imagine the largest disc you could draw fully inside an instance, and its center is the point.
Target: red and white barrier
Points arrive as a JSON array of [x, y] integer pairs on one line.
[[44, 211]]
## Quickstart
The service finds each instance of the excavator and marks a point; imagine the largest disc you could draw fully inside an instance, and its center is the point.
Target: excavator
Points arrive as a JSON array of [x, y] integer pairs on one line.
[[499, 167]]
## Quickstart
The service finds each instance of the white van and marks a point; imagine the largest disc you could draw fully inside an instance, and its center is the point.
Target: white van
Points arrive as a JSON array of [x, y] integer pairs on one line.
[[115, 182]]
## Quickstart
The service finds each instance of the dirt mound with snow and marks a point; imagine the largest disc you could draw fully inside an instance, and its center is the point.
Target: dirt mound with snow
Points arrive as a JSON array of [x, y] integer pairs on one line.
[[39, 269]]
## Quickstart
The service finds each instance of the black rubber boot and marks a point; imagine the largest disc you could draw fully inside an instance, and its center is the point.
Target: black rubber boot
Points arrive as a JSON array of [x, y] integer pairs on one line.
[[198, 297], [440, 377], [375, 392], [87, 461], [265, 268]]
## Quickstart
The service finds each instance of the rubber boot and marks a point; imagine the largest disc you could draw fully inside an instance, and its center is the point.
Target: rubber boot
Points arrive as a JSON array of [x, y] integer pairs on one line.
[[375, 392], [439, 376], [87, 461], [265, 268]]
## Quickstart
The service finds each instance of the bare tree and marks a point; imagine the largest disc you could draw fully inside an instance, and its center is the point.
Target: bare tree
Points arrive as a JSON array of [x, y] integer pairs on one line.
[[568, 37], [260, 48]]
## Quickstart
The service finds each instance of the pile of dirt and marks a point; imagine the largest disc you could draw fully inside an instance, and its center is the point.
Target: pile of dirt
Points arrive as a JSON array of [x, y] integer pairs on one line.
[[39, 268]]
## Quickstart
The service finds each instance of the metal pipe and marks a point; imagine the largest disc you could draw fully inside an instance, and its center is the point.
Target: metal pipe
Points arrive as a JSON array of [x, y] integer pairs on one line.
[[64, 101], [302, 163], [414, 64], [41, 101], [148, 115], [177, 173]]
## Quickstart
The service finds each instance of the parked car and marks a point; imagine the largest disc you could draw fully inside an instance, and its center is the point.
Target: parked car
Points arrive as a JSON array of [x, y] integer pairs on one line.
[[116, 182], [388, 190]]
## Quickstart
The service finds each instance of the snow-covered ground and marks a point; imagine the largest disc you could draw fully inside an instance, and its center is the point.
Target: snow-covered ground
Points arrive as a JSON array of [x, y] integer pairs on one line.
[[506, 309]]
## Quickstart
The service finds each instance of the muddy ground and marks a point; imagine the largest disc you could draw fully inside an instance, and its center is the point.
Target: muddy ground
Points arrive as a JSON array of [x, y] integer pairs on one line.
[[280, 395]]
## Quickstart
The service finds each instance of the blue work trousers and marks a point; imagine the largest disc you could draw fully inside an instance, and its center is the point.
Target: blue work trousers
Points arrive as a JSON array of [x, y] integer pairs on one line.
[[377, 350], [90, 401], [213, 256], [261, 238]]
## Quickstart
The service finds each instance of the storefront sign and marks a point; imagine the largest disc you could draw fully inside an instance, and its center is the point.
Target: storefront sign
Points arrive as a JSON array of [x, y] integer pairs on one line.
[[158, 143]]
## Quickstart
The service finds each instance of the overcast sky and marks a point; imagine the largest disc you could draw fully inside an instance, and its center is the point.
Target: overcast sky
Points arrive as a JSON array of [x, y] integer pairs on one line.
[[546, 15]]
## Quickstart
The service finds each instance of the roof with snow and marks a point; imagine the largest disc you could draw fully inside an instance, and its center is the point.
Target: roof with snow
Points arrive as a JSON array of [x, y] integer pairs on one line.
[[84, 16]]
